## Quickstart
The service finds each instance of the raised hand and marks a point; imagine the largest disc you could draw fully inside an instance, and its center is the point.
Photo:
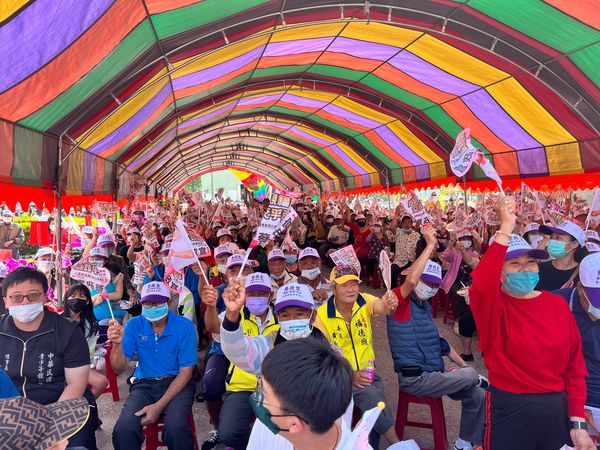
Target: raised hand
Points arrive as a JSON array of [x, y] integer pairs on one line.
[[115, 332], [430, 235], [390, 300], [506, 208], [209, 296]]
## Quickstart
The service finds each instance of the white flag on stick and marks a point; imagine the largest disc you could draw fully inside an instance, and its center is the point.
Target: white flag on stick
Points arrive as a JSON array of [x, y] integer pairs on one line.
[[385, 265], [489, 169], [463, 154], [182, 252]]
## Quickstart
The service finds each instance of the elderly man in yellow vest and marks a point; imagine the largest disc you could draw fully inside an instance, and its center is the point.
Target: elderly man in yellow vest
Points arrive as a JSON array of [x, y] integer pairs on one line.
[[345, 319]]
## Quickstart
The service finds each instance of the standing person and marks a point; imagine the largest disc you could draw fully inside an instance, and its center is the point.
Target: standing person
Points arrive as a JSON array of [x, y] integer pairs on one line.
[[584, 301], [310, 265], [531, 347], [166, 347], [11, 234], [45, 355], [345, 320], [566, 245], [376, 242], [406, 246], [417, 348]]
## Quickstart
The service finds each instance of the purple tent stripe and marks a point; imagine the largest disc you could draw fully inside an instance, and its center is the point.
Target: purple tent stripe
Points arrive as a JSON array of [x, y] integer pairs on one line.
[[136, 120], [89, 172], [303, 101], [352, 117], [486, 109], [431, 75], [199, 138], [258, 100], [206, 117], [422, 172], [363, 49], [41, 32], [347, 159], [532, 161], [366, 180], [217, 71], [296, 47], [156, 148], [162, 161], [399, 146]]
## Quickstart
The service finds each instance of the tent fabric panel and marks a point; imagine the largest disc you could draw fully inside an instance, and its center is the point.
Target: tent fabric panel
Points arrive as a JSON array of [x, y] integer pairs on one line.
[[41, 32], [590, 155], [10, 8], [27, 157], [49, 160], [138, 41], [582, 10], [6, 149], [588, 60], [75, 168], [564, 159]]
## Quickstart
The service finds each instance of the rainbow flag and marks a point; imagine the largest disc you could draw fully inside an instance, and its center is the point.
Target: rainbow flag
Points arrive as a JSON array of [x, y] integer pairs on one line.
[[253, 183]]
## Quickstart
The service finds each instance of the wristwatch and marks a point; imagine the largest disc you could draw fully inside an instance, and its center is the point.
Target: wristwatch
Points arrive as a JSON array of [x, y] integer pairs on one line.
[[577, 425]]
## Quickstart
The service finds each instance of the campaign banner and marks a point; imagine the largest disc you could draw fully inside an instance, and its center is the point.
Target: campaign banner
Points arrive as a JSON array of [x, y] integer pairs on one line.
[[277, 211], [385, 265], [287, 220], [463, 153], [593, 218], [346, 256], [105, 208], [414, 208], [175, 281], [91, 274], [200, 247]]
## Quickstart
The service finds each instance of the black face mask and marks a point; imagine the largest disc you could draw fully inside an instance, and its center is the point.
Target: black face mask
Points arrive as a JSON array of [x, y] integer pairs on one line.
[[361, 223], [77, 305]]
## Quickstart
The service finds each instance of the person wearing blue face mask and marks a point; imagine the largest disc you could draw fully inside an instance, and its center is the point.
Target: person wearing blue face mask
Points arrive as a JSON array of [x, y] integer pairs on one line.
[[566, 246], [277, 261], [531, 346], [166, 346]]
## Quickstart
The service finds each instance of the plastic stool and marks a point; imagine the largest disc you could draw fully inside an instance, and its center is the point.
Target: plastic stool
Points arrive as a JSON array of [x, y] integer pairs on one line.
[[151, 433], [113, 386], [438, 421]]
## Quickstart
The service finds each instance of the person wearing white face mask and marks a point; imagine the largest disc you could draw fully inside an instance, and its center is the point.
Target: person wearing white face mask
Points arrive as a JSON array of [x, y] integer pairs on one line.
[[11, 234], [584, 301], [166, 347], [277, 269], [310, 266], [417, 348], [36, 341]]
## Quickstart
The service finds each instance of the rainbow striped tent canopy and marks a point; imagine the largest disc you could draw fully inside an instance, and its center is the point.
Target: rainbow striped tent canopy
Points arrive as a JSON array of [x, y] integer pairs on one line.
[[308, 93]]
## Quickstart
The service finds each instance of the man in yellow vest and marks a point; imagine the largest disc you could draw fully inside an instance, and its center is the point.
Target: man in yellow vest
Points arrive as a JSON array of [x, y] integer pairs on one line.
[[256, 318], [345, 319]]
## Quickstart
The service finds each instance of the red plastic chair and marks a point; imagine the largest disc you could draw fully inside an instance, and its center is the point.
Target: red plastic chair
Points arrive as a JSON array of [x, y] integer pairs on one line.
[[438, 421], [151, 432], [113, 386]]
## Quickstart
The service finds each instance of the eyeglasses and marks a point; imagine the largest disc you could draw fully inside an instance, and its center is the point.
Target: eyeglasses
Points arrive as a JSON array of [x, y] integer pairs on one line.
[[258, 398], [33, 297]]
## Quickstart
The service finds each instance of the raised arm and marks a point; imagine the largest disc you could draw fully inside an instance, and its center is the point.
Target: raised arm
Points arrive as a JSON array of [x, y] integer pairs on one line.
[[417, 268]]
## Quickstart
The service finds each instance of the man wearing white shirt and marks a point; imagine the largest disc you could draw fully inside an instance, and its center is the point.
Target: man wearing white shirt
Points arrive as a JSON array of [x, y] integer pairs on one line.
[[310, 264], [295, 373]]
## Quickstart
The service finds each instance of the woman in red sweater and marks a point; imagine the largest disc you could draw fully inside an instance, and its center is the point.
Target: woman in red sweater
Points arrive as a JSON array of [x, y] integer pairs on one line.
[[531, 347]]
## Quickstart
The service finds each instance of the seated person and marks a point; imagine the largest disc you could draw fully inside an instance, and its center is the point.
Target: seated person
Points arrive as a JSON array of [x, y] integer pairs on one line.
[[417, 348], [279, 275], [310, 265], [44, 354], [166, 347]]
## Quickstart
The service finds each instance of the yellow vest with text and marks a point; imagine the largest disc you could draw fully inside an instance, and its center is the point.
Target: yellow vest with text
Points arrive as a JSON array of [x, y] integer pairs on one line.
[[238, 380], [354, 338]]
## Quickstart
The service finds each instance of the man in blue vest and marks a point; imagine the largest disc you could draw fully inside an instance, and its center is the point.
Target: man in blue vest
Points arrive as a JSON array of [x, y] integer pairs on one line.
[[417, 348]]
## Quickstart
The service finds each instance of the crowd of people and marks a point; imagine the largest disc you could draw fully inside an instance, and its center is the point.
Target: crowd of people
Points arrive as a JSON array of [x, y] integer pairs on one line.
[[276, 339]]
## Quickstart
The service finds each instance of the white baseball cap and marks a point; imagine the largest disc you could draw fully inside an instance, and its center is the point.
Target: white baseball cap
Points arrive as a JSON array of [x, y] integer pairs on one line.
[[105, 240], [589, 275], [567, 227], [223, 250], [43, 252], [223, 232], [308, 251], [432, 273], [3, 270], [294, 294], [276, 253], [592, 247], [592, 235], [133, 230], [518, 246], [533, 226], [87, 229], [99, 251], [235, 260], [361, 217], [155, 292], [258, 281]]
